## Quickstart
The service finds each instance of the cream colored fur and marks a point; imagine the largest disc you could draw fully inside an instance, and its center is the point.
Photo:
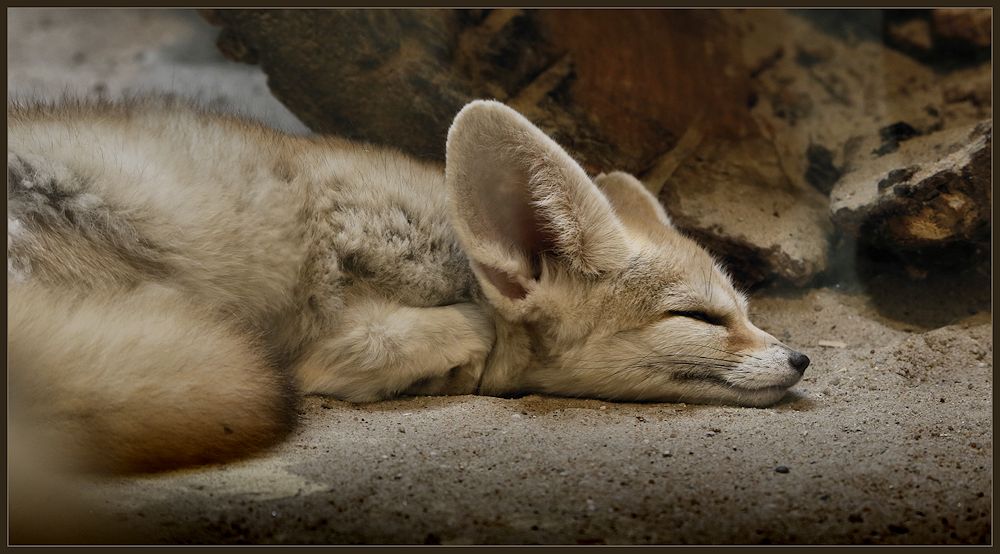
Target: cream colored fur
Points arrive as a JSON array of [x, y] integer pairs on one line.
[[173, 274]]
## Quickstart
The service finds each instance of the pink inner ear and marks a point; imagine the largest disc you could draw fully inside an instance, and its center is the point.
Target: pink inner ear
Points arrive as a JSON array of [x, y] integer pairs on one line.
[[503, 282], [509, 206]]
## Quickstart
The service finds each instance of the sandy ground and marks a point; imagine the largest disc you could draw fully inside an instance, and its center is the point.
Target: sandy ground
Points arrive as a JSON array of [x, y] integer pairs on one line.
[[886, 440]]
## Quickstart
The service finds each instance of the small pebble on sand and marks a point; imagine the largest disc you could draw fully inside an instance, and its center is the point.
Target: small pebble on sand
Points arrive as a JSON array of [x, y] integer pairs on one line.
[[781, 469]]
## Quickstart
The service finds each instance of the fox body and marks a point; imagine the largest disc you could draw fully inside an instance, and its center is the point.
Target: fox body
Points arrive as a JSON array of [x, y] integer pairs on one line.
[[176, 278]]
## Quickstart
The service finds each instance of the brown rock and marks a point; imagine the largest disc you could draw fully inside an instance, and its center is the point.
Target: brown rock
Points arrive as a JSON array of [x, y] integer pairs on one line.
[[933, 191], [642, 77], [968, 94], [912, 34], [969, 25], [616, 87]]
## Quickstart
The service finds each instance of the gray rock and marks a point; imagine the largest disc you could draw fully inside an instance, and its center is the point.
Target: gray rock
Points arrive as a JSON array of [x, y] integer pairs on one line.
[[931, 191]]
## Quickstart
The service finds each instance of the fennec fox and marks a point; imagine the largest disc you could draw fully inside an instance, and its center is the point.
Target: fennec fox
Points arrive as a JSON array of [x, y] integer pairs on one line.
[[176, 278]]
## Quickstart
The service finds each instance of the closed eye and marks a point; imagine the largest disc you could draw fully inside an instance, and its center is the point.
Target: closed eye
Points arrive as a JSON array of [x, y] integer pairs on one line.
[[699, 315]]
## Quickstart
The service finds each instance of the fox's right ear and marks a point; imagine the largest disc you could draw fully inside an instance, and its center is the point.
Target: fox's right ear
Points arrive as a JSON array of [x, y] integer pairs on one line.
[[632, 201], [518, 200]]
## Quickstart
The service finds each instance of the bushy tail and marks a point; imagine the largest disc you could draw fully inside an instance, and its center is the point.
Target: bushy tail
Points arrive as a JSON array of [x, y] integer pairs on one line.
[[138, 380]]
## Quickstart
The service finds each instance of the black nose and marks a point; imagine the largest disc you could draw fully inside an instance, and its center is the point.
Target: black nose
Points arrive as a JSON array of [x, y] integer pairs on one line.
[[799, 361]]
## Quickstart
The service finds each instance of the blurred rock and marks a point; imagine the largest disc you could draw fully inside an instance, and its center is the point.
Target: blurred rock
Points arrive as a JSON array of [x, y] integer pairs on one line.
[[734, 198], [933, 191], [912, 34], [894, 141], [944, 39], [967, 95], [816, 107], [968, 25]]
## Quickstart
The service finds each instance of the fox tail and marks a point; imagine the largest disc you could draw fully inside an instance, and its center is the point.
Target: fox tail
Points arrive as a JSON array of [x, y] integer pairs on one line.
[[138, 380]]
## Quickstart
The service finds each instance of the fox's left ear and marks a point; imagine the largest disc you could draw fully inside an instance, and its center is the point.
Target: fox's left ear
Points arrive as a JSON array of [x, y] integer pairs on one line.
[[633, 203], [516, 199]]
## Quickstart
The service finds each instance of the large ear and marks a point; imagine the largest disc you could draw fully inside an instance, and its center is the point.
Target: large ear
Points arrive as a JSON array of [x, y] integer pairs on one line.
[[516, 198], [633, 203]]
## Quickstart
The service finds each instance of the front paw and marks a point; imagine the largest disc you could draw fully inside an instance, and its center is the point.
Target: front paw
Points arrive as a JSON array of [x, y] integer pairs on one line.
[[461, 379], [471, 341]]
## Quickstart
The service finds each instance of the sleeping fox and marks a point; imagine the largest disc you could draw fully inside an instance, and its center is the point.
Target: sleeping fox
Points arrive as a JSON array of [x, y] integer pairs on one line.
[[177, 278]]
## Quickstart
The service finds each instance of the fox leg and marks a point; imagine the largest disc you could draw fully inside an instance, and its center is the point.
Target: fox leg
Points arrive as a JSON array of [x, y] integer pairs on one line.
[[385, 349]]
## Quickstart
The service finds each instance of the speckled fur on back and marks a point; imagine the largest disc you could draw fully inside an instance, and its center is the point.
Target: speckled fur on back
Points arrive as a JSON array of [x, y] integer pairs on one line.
[[166, 260]]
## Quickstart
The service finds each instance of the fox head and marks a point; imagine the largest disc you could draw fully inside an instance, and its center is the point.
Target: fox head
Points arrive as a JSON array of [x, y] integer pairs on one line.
[[607, 297]]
